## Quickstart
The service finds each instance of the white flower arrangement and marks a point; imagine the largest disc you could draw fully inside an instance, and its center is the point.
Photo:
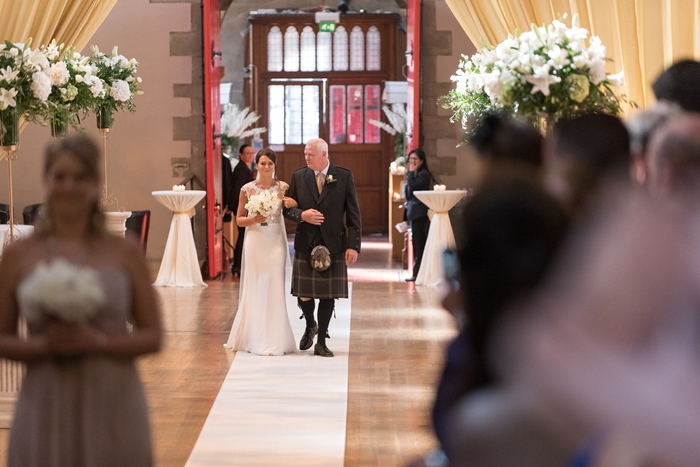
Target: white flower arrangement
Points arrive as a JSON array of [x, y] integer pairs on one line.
[[396, 114], [548, 72], [63, 291], [264, 203], [119, 82], [235, 124], [25, 80]]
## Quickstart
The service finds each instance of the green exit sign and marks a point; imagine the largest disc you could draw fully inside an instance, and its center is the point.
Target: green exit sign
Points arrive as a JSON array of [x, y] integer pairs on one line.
[[326, 26]]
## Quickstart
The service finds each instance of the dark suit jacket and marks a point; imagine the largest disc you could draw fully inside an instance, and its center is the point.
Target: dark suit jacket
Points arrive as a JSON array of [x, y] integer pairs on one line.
[[342, 225], [240, 176], [416, 181], [226, 192]]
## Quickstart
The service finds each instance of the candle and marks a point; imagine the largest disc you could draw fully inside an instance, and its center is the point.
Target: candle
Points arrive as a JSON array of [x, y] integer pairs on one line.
[[178, 187], [439, 187]]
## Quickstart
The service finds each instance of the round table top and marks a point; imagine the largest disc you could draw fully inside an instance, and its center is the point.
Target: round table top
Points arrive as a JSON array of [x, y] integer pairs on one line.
[[179, 200], [440, 200]]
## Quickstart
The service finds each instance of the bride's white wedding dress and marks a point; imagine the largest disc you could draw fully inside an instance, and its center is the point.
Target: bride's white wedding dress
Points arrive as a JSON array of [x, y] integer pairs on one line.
[[262, 325]]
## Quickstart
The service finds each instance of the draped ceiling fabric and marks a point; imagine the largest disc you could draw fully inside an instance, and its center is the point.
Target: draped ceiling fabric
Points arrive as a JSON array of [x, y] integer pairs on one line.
[[71, 22], [642, 36]]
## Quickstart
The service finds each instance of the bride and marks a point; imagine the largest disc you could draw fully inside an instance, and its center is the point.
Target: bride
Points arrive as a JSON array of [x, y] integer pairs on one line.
[[262, 325]]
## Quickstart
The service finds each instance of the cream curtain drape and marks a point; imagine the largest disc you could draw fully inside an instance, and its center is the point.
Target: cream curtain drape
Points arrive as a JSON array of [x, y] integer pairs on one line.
[[642, 36], [72, 22]]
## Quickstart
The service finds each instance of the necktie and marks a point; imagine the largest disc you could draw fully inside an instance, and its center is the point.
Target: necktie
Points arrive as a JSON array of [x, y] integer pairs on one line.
[[319, 182]]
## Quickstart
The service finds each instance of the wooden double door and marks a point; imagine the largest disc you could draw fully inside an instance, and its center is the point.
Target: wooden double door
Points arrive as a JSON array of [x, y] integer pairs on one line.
[[298, 105]]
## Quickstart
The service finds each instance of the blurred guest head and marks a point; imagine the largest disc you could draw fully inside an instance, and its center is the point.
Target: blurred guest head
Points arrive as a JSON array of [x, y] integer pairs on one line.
[[511, 230], [502, 139], [680, 83], [581, 151], [674, 156], [640, 127]]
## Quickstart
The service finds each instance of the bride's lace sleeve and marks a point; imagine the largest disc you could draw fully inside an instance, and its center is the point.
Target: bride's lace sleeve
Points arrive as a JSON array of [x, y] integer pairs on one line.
[[249, 189], [284, 187]]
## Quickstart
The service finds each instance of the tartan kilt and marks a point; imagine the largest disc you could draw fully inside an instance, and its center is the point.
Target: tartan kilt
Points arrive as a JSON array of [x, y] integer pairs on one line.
[[331, 283]]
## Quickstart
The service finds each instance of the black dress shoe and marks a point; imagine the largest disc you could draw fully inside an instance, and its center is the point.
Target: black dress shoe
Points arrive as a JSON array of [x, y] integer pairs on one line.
[[410, 279], [321, 349], [308, 338]]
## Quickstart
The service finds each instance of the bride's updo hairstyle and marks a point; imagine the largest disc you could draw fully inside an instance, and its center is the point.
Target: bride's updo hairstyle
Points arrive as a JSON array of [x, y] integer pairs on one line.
[[87, 152], [270, 155]]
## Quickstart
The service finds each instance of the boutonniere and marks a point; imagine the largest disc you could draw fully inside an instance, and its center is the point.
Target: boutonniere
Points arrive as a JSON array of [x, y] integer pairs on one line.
[[330, 179]]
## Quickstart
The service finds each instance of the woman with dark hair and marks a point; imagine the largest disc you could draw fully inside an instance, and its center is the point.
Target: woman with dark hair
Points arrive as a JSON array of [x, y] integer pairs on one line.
[[261, 325], [418, 178], [76, 286]]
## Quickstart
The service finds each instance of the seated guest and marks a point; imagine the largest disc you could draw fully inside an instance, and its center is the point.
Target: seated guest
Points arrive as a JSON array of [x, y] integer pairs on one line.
[[511, 230], [640, 127], [680, 84], [576, 162], [673, 157]]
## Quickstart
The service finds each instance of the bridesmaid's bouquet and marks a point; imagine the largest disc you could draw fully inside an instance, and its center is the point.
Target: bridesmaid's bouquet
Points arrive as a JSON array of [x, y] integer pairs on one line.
[[63, 291], [263, 203]]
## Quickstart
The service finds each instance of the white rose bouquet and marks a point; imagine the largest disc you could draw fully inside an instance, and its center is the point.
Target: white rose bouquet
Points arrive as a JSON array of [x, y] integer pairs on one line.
[[63, 291], [264, 203], [546, 73]]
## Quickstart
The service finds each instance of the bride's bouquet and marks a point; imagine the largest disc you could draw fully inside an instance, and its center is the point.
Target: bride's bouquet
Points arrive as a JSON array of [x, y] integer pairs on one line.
[[63, 291], [263, 203]]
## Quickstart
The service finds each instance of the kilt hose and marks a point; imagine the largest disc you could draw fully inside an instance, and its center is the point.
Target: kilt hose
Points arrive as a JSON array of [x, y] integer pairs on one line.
[[309, 283]]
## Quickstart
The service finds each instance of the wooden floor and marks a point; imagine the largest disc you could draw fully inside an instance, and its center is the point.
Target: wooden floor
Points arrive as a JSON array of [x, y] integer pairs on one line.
[[396, 352]]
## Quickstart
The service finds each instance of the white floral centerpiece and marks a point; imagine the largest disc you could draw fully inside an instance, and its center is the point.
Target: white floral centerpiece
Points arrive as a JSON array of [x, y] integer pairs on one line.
[[263, 203], [62, 290], [235, 125], [75, 89], [119, 81], [25, 85], [396, 114], [546, 73]]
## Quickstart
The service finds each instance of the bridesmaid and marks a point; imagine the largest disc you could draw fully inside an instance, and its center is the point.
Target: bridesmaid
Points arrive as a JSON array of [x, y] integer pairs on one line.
[[81, 402]]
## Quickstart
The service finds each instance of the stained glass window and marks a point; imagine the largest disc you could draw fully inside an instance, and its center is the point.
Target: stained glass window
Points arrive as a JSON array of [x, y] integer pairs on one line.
[[308, 49], [355, 121], [340, 49], [337, 117], [374, 49], [372, 112], [291, 49], [274, 49], [357, 49]]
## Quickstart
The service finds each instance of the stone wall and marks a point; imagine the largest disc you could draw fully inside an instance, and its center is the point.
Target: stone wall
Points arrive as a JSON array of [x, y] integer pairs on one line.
[[442, 44]]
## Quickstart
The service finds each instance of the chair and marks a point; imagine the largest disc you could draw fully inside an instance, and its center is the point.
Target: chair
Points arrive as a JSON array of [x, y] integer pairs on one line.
[[138, 224], [30, 213], [4, 208]]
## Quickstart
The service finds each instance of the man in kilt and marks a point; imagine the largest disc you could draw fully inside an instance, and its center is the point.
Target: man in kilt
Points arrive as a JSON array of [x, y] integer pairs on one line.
[[328, 214]]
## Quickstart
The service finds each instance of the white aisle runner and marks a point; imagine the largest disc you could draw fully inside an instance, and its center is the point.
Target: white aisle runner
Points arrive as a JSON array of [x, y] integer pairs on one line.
[[282, 411]]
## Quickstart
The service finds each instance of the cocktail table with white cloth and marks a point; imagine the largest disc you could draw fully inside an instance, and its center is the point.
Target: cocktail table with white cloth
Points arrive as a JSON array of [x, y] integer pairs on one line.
[[19, 231], [180, 265], [440, 235]]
